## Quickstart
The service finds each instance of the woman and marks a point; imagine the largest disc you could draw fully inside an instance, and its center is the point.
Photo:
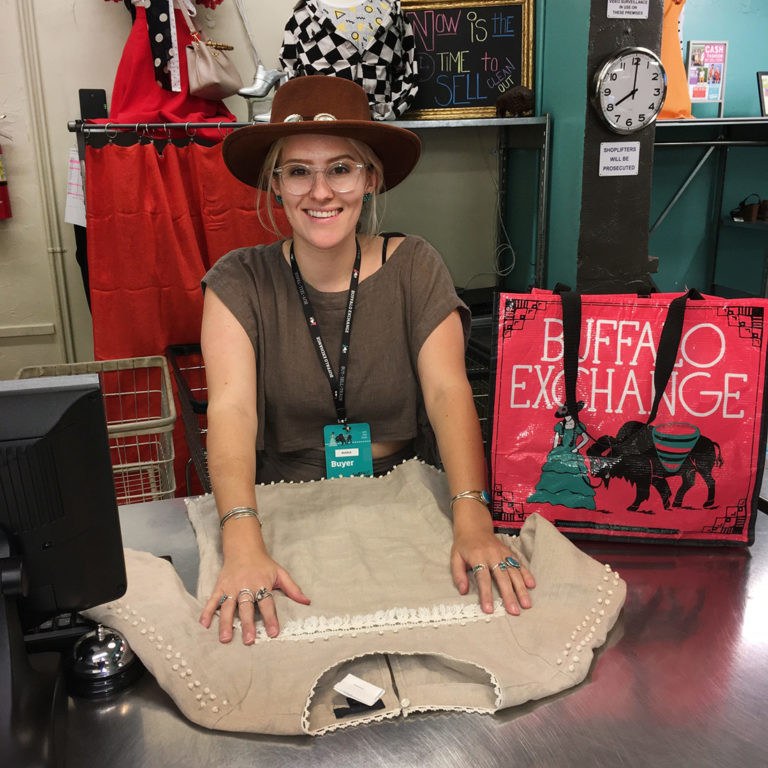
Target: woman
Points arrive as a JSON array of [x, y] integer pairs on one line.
[[564, 477], [275, 318]]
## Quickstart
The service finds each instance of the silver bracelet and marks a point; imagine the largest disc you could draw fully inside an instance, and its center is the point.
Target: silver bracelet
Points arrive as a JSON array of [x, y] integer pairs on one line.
[[236, 512], [481, 496]]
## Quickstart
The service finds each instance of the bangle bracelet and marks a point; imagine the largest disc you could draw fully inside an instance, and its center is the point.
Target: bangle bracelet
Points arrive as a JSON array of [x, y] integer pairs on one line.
[[481, 496], [236, 512]]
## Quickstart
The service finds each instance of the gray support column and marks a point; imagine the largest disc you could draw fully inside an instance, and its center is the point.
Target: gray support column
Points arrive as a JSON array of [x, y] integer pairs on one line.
[[615, 210]]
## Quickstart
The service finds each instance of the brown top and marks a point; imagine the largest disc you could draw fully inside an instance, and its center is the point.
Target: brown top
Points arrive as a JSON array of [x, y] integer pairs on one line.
[[397, 307]]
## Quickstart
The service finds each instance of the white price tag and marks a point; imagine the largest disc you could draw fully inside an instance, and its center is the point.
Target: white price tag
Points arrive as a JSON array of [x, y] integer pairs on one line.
[[359, 690]]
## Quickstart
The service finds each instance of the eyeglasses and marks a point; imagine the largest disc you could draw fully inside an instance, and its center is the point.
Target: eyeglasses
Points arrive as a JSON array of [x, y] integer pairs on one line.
[[341, 176]]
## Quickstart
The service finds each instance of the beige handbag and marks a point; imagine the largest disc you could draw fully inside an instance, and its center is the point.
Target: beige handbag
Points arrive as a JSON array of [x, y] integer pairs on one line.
[[212, 75]]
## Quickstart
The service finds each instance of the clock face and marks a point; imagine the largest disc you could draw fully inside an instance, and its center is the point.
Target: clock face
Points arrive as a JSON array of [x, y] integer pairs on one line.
[[629, 89]]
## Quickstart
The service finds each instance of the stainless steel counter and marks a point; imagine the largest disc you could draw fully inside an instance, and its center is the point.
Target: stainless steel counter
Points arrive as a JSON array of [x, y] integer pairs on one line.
[[682, 681]]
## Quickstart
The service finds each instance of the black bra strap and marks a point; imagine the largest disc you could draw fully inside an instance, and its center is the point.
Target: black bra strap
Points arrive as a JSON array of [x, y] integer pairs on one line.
[[387, 236]]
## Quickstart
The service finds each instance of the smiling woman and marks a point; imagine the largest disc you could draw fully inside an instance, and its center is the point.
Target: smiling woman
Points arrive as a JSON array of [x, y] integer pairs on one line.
[[297, 391]]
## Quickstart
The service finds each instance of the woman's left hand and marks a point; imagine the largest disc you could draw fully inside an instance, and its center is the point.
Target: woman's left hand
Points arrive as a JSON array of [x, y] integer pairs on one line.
[[473, 547]]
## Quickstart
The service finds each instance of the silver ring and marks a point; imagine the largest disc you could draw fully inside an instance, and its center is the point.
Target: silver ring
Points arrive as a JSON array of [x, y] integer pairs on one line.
[[224, 599], [263, 594], [251, 598], [477, 568], [501, 565], [511, 562]]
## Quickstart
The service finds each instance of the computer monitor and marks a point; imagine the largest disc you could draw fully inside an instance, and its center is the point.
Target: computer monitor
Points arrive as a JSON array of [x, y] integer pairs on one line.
[[60, 543]]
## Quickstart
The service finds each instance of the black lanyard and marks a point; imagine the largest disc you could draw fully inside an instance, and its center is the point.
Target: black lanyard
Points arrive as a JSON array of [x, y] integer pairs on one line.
[[338, 386]]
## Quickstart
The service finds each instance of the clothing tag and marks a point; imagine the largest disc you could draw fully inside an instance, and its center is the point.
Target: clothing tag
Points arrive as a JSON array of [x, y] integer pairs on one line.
[[357, 689], [347, 450], [355, 708]]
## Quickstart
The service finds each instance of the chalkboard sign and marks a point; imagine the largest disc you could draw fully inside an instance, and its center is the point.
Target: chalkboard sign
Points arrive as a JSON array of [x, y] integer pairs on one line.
[[468, 54]]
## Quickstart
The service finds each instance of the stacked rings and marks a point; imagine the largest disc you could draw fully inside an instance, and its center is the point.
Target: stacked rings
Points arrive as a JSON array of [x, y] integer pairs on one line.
[[249, 596], [507, 562]]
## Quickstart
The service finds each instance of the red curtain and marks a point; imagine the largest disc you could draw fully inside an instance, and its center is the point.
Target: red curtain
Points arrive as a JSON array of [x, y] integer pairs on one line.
[[157, 219]]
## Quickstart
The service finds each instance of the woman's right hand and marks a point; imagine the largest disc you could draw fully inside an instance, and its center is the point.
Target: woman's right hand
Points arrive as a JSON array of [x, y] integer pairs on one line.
[[253, 572]]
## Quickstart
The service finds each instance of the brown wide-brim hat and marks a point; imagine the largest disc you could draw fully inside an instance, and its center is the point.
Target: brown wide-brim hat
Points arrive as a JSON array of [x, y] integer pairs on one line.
[[327, 105]]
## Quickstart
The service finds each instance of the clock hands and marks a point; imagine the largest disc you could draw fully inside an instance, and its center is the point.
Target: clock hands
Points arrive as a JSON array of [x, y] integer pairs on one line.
[[624, 98], [634, 86], [619, 94], [634, 82]]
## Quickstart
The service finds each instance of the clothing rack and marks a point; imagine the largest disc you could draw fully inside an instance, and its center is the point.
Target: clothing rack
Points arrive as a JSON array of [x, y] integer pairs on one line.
[[80, 126]]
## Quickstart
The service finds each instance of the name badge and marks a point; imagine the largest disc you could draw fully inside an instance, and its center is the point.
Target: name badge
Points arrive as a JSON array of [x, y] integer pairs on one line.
[[348, 450]]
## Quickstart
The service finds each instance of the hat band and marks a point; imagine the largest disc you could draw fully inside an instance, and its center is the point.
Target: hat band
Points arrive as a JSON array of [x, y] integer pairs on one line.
[[297, 118]]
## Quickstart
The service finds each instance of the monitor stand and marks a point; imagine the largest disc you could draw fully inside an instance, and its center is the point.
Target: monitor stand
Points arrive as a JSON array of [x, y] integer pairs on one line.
[[32, 699]]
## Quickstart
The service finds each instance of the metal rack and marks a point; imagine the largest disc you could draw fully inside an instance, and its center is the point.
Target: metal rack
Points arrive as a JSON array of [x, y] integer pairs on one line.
[[716, 136]]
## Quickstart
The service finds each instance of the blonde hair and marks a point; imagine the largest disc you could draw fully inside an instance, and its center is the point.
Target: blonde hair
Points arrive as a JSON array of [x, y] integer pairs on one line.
[[369, 221]]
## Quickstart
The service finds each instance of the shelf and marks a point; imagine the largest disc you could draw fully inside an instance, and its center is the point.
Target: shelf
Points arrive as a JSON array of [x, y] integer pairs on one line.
[[726, 131], [715, 137], [754, 226], [479, 122]]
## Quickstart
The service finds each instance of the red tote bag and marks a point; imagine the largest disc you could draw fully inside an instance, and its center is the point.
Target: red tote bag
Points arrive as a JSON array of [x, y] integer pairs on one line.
[[629, 418]]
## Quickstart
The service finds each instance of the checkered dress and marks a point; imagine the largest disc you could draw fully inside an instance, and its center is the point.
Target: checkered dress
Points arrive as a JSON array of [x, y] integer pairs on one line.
[[385, 68]]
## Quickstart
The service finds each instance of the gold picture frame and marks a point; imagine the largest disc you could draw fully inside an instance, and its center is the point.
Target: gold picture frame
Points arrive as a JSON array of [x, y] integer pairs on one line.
[[468, 53]]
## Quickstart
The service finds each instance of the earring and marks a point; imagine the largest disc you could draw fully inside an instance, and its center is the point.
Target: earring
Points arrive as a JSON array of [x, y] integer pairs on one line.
[[279, 199], [367, 197]]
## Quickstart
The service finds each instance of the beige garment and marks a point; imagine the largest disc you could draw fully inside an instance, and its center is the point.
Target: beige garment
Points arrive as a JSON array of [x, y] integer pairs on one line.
[[372, 554]]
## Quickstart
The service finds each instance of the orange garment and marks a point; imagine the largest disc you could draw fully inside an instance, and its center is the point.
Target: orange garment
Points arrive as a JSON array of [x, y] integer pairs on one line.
[[678, 102]]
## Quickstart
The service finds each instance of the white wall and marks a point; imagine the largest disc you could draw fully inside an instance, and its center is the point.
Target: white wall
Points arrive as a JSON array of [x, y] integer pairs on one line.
[[65, 45]]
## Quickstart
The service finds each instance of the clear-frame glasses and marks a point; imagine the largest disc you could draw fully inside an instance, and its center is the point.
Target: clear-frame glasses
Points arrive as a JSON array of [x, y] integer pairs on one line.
[[341, 176]]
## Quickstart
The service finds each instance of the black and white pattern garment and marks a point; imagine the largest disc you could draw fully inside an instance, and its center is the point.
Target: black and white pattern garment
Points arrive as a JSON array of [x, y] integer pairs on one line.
[[356, 21], [163, 42], [385, 67]]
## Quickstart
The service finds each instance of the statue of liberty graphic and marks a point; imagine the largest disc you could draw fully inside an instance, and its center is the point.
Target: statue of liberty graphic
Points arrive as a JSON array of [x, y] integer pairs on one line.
[[564, 477]]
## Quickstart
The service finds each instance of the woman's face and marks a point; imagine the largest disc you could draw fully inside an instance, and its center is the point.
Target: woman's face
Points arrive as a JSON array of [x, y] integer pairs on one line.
[[322, 217]]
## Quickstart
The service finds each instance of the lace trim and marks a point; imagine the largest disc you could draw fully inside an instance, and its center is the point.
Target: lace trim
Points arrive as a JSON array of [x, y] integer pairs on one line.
[[447, 708], [391, 620], [205, 496], [401, 710]]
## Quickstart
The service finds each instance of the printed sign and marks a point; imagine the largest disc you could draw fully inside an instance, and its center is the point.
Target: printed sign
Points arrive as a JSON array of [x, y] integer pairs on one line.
[[627, 9], [469, 54], [619, 158], [706, 70]]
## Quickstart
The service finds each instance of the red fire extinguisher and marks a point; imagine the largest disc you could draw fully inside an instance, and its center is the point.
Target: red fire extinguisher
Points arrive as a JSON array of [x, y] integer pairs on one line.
[[5, 201]]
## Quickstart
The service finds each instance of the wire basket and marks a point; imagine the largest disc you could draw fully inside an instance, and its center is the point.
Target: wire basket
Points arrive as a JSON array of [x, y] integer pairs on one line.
[[138, 402]]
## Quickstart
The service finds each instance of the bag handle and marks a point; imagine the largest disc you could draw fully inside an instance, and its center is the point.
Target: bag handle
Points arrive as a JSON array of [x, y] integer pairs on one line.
[[669, 343], [571, 336], [196, 33], [666, 354]]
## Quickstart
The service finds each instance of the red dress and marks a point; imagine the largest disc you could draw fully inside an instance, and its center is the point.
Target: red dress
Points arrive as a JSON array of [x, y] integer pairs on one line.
[[136, 96]]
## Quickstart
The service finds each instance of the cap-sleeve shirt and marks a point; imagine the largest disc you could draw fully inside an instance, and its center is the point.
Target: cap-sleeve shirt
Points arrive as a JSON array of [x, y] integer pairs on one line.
[[397, 308]]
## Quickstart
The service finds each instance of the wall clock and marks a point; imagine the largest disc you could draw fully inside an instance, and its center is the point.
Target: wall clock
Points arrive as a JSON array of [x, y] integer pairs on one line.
[[629, 89]]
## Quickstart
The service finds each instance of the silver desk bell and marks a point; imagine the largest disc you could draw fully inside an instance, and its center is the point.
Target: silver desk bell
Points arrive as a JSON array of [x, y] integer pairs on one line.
[[102, 664]]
